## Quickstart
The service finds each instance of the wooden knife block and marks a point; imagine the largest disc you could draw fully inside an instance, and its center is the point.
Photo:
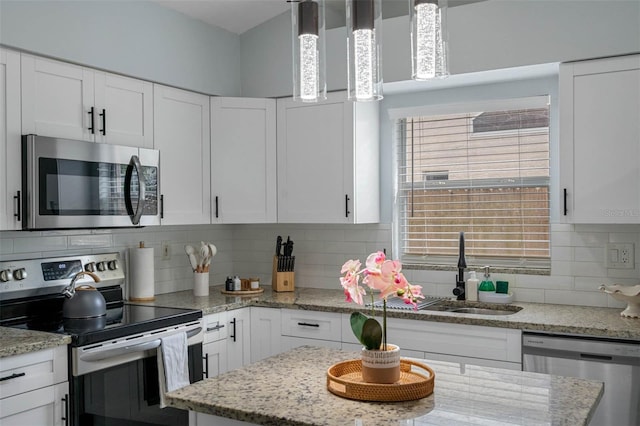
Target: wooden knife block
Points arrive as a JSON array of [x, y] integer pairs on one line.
[[281, 281]]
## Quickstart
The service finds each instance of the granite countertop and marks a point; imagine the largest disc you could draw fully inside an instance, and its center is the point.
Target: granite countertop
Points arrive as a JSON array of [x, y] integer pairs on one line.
[[569, 319], [14, 341], [474, 395]]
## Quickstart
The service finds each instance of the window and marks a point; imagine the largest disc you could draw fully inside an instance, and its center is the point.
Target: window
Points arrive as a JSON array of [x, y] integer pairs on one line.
[[485, 173]]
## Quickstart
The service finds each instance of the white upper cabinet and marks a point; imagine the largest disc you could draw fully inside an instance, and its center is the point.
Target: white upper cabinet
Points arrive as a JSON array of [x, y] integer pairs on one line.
[[181, 128], [328, 161], [69, 101], [243, 160], [9, 140], [599, 103]]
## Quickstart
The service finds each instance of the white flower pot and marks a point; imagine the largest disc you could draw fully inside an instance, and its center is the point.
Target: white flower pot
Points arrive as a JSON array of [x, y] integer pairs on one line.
[[380, 366]]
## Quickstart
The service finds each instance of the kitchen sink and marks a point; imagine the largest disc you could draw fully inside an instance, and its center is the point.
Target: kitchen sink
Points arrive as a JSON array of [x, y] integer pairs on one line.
[[440, 304], [481, 311], [446, 306]]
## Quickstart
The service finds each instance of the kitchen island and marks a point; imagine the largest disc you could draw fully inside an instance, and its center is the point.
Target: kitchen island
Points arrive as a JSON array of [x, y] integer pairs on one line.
[[290, 389]]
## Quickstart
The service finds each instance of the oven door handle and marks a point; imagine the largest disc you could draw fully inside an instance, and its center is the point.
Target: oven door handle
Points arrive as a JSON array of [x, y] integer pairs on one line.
[[140, 347]]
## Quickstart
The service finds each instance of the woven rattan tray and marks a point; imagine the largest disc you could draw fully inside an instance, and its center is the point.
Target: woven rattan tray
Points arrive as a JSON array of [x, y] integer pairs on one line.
[[345, 379]]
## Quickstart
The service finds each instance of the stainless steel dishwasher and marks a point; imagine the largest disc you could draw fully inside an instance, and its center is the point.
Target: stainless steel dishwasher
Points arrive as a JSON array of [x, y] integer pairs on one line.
[[612, 361]]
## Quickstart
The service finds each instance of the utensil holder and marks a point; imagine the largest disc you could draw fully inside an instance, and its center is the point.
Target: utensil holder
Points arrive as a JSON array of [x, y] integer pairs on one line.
[[201, 284], [281, 281]]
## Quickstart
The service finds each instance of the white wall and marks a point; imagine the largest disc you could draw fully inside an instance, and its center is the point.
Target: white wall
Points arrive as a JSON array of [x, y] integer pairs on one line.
[[488, 35], [135, 38], [247, 250]]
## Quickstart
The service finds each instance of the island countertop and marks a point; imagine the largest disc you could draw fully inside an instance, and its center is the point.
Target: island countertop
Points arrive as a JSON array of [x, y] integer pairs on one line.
[[550, 318], [290, 389]]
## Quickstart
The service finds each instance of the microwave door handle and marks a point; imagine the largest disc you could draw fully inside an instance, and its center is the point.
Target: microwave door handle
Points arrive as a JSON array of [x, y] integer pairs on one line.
[[134, 163]]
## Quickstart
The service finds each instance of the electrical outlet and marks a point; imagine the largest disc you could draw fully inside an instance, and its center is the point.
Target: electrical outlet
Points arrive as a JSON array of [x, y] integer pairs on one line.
[[166, 250], [619, 256]]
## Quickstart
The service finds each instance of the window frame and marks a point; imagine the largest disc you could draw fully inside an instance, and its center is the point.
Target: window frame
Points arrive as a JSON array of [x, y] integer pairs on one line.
[[516, 265]]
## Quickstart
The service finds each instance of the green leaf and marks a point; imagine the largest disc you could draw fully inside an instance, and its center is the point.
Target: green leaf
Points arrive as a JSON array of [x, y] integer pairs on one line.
[[371, 334], [367, 330], [357, 320]]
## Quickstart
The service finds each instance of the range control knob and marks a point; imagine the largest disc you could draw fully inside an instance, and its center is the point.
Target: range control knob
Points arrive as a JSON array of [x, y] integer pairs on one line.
[[102, 266], [90, 267], [20, 274], [5, 275], [112, 265]]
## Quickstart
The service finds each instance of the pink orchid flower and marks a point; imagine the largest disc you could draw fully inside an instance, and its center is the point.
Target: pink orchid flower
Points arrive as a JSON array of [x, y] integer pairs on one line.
[[379, 274]]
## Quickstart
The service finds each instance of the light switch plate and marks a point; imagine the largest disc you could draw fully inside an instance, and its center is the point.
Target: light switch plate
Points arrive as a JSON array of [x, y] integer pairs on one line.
[[619, 256], [166, 250]]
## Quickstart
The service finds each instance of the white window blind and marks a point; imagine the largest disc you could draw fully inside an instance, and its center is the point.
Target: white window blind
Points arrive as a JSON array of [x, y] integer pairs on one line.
[[483, 172]]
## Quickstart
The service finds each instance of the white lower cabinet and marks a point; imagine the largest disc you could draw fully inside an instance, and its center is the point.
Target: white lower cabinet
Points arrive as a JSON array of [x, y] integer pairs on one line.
[[34, 388], [469, 344], [214, 346], [238, 338], [265, 333], [310, 328]]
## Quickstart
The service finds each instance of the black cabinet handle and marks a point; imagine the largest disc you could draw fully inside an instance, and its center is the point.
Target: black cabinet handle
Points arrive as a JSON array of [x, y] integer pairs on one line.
[[65, 401], [205, 358], [233, 336], [307, 324], [17, 209], [162, 206], [346, 205], [565, 201], [12, 376], [216, 206], [104, 122], [91, 128]]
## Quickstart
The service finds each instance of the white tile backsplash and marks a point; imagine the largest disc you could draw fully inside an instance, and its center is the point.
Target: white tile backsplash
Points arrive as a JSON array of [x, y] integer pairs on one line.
[[247, 250]]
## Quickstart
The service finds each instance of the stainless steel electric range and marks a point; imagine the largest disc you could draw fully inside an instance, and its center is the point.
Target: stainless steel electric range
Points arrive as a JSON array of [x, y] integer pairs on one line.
[[113, 376]]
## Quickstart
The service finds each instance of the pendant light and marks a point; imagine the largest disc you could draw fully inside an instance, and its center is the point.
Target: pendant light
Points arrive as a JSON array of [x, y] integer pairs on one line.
[[309, 83], [364, 24], [429, 39]]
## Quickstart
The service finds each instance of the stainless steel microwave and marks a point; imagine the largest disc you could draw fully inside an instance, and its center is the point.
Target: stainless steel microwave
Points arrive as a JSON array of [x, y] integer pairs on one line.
[[76, 184]]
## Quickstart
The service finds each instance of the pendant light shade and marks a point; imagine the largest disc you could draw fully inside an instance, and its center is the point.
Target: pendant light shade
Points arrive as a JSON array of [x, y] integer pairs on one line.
[[309, 82], [429, 39], [364, 24]]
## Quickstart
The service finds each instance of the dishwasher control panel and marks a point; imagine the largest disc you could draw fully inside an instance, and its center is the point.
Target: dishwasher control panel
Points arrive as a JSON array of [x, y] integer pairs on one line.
[[581, 346]]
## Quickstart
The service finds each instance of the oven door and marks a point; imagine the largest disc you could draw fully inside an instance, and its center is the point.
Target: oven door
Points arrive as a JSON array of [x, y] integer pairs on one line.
[[77, 184], [116, 383]]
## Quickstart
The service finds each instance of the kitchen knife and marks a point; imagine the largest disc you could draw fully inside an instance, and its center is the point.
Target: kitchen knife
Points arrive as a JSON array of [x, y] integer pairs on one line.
[[288, 247], [278, 245]]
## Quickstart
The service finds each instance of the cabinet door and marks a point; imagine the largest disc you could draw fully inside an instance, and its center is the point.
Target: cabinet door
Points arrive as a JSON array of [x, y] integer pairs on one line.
[[44, 406], [265, 333], [315, 161], [243, 160], [57, 99], [238, 338], [124, 110], [215, 358], [9, 140], [181, 129], [600, 139]]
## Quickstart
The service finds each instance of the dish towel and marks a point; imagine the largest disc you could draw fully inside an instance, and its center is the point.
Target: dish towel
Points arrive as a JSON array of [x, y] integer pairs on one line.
[[173, 364]]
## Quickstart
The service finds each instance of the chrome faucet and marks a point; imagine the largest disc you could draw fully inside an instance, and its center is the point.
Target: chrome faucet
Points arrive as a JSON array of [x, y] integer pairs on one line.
[[462, 265]]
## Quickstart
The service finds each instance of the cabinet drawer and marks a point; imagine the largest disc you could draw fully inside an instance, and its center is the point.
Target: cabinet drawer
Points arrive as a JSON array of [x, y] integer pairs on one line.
[[26, 372], [215, 327], [311, 325], [45, 406], [492, 343]]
